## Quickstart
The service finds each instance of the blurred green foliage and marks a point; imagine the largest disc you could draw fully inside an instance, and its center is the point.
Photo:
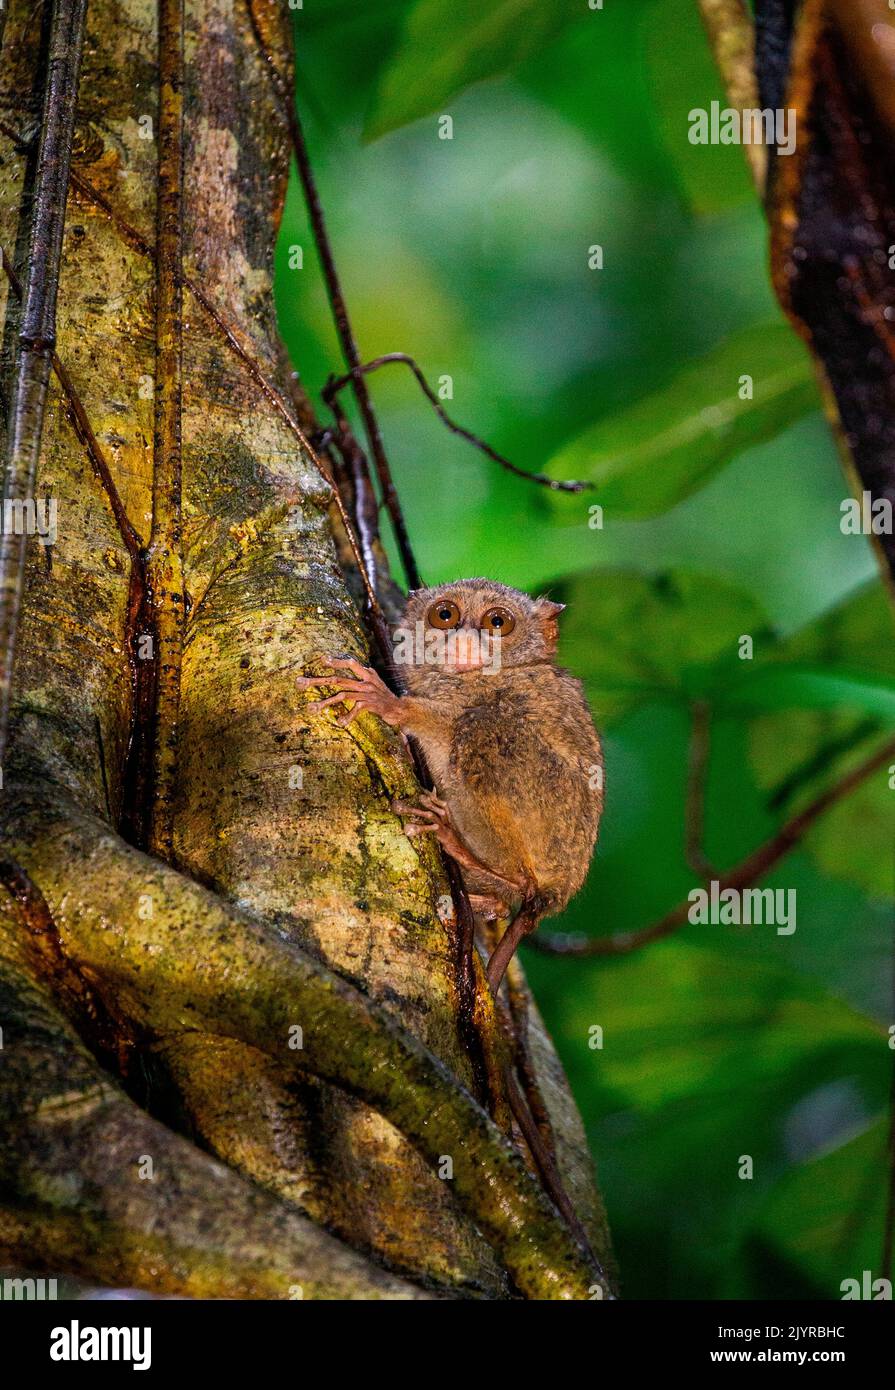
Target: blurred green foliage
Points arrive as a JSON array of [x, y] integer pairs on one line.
[[721, 519]]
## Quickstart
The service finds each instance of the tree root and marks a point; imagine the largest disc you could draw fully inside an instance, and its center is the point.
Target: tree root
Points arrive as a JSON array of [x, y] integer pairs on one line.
[[90, 1184], [175, 958]]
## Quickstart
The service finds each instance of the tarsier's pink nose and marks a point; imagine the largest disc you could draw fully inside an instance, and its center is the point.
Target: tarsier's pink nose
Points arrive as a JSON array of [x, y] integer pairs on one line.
[[465, 652]]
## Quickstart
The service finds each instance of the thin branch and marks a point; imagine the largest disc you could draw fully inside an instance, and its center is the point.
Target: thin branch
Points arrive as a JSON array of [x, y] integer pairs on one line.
[[165, 560], [519, 1024], [527, 1103], [545, 1163], [83, 429], [37, 330], [465, 974], [366, 509], [828, 752], [750, 869], [697, 770], [337, 384], [337, 302]]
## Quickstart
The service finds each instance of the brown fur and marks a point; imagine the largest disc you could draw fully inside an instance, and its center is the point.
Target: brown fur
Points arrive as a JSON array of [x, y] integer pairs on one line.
[[514, 752]]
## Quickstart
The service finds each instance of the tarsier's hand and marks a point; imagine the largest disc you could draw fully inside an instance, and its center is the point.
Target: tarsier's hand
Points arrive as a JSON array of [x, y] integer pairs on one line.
[[365, 691]]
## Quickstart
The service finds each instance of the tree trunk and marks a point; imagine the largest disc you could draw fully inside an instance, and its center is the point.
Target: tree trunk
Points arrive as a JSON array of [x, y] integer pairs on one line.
[[228, 981]]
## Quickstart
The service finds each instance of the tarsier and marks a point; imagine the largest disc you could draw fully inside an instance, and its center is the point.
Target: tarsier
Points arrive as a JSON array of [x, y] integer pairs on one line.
[[508, 739]]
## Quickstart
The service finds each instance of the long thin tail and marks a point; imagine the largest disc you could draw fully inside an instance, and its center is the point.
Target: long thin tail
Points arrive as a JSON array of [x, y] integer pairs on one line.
[[525, 921]]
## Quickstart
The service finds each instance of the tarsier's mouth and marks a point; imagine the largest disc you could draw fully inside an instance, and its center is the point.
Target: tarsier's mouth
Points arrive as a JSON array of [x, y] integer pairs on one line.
[[468, 651], [469, 664]]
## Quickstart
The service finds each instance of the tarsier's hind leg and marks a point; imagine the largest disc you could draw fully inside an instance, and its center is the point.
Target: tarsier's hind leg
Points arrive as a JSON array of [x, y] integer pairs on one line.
[[433, 817]]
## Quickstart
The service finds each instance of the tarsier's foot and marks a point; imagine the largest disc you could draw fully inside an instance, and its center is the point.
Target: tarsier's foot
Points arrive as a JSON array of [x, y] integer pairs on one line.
[[365, 690], [432, 817], [489, 906]]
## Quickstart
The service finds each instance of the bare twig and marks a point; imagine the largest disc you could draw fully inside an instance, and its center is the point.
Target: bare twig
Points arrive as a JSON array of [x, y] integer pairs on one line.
[[37, 330], [337, 384], [165, 562], [753, 867], [546, 1166], [337, 302], [526, 1101], [519, 1024], [366, 508]]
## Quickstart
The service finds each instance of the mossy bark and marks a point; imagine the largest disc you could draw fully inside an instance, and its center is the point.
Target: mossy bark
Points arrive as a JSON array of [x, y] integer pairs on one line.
[[154, 703]]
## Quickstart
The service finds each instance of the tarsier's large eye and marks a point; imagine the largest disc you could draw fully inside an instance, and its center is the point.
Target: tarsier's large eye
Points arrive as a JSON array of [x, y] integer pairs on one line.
[[498, 621], [444, 614]]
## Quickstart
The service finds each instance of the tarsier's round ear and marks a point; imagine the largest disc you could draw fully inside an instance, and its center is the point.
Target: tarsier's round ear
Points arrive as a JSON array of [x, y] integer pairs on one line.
[[547, 612]]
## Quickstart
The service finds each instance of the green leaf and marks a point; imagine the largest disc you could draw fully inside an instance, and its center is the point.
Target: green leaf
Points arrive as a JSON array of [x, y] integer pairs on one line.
[[796, 754], [813, 722], [683, 76], [724, 1024], [816, 703], [825, 1218], [666, 445], [795, 687], [635, 638], [449, 44], [705, 1056], [857, 635]]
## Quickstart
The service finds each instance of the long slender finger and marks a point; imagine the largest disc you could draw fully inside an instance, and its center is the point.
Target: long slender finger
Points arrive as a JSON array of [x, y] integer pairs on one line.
[[337, 682], [316, 705], [364, 673], [321, 660], [405, 808], [349, 663]]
